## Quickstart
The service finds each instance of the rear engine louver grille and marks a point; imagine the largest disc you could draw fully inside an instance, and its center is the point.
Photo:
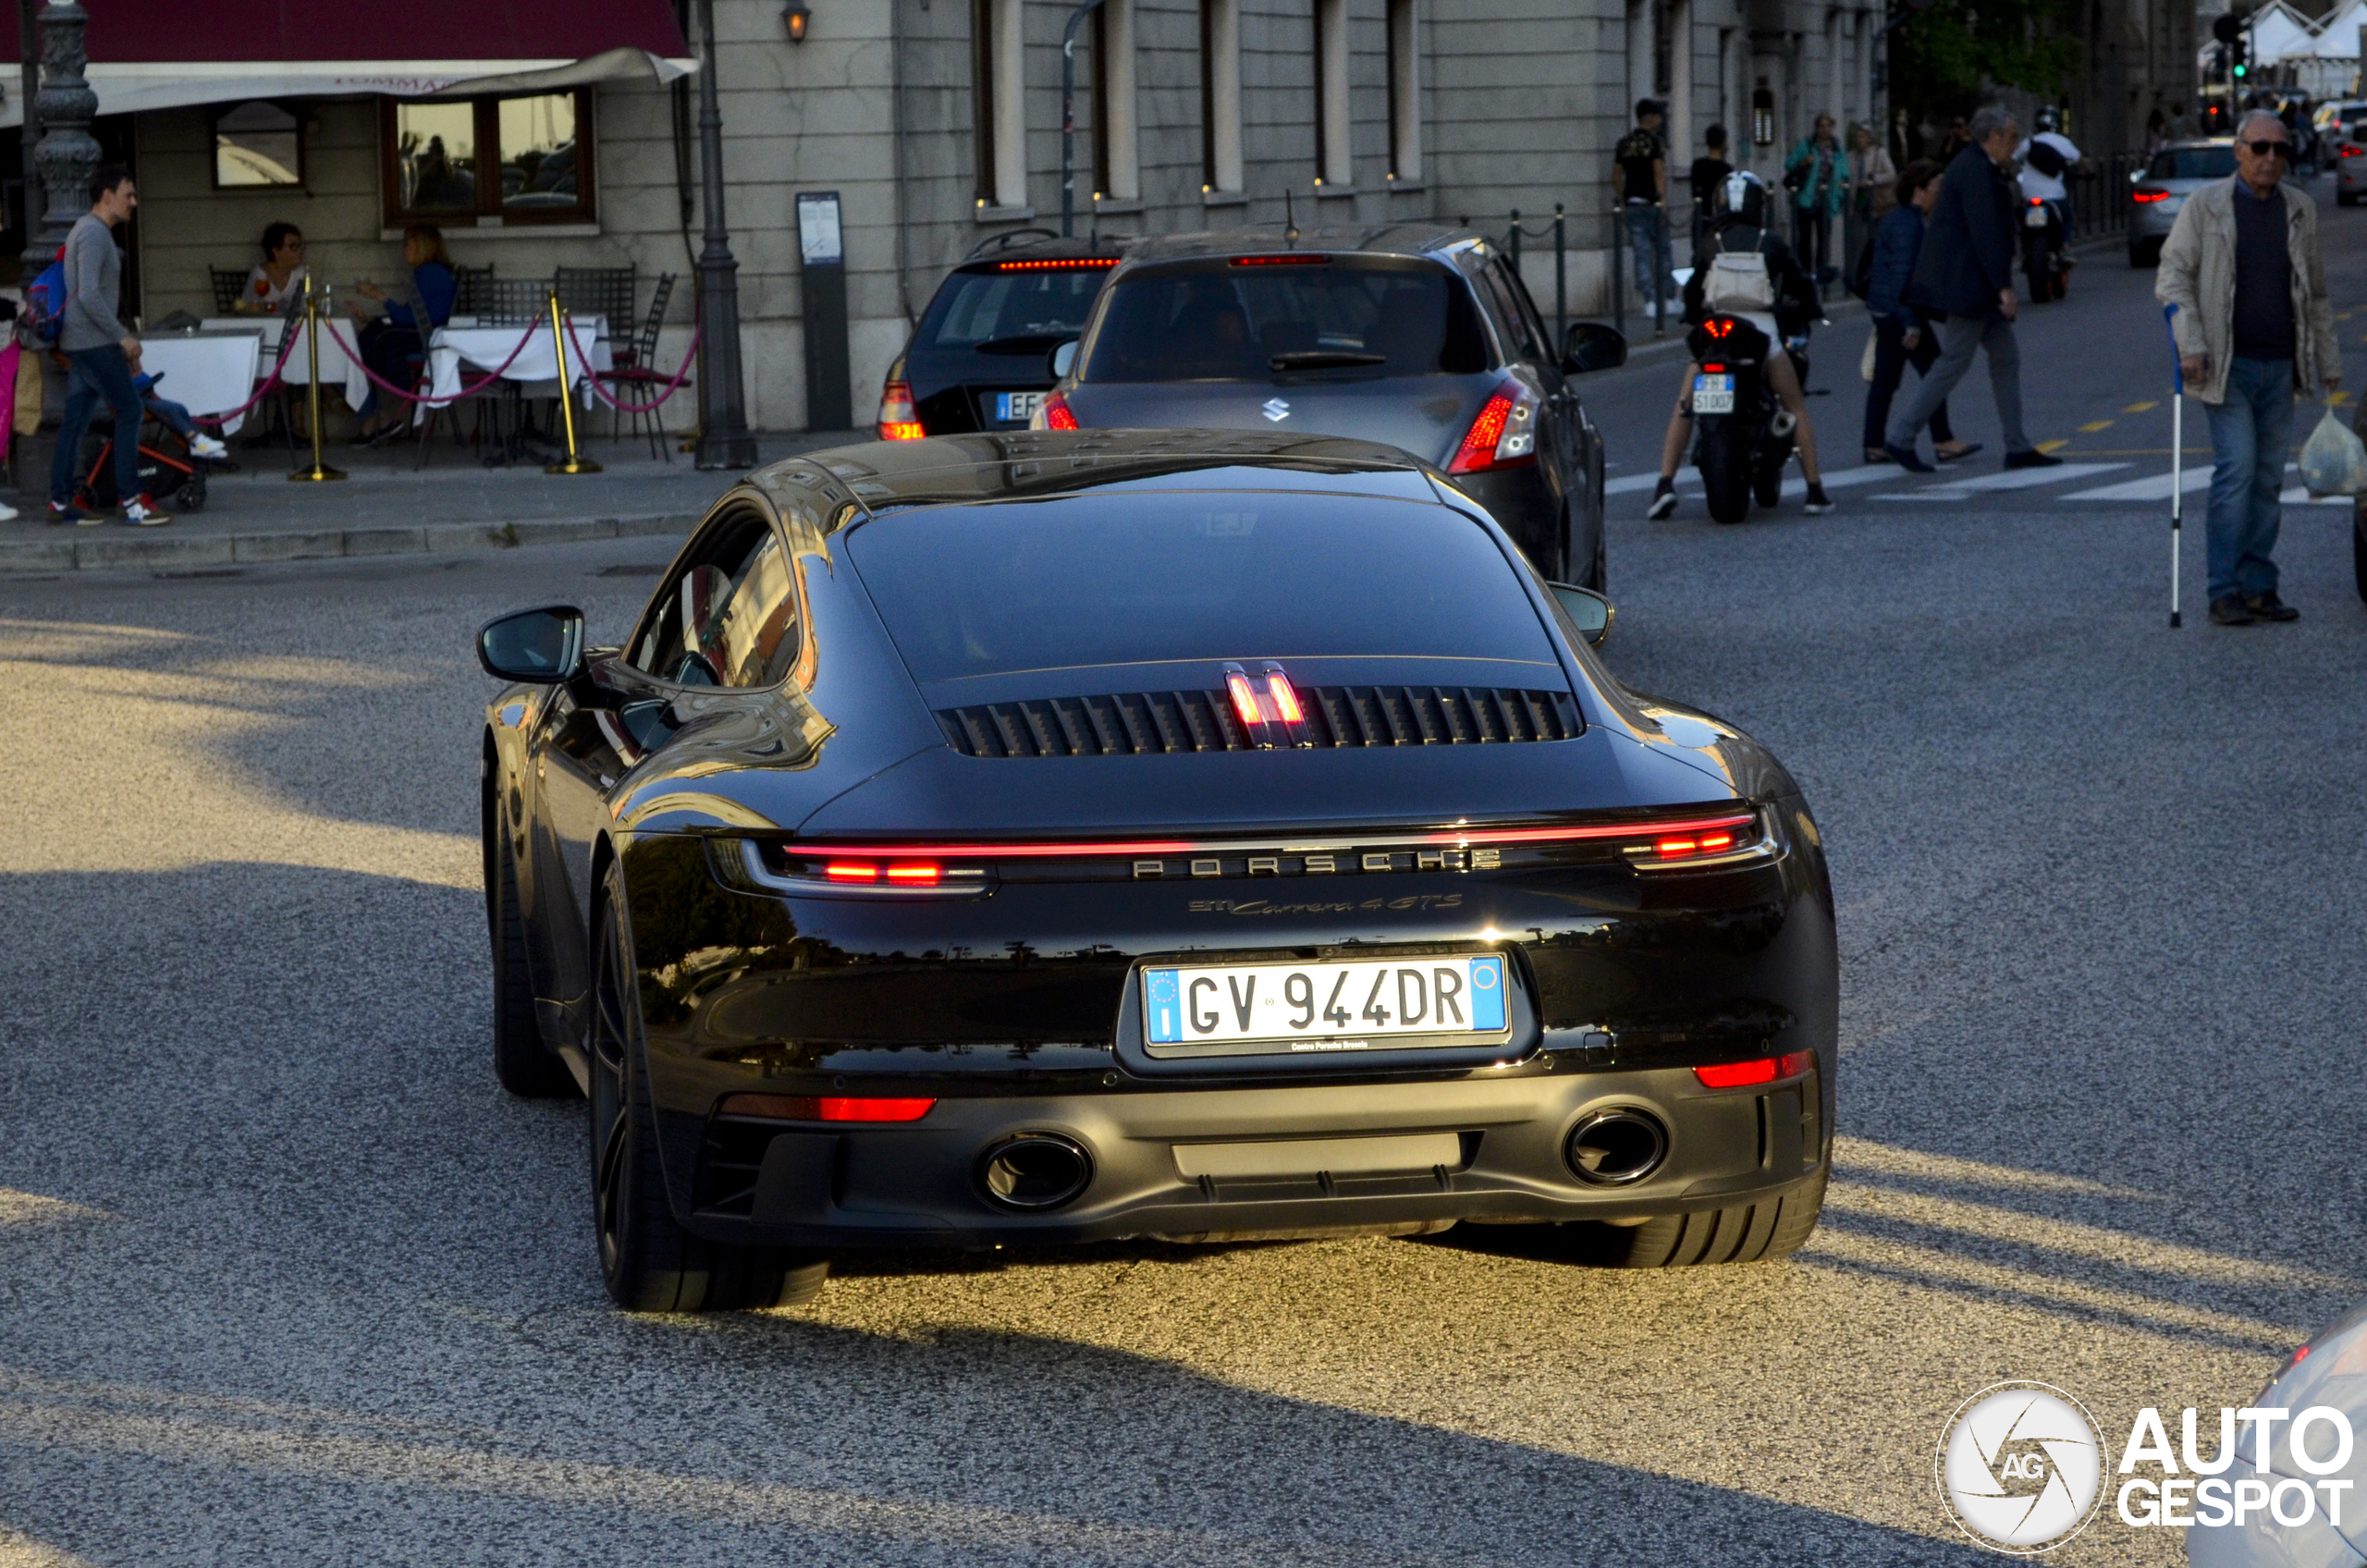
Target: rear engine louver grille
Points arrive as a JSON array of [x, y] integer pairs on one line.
[[1204, 721]]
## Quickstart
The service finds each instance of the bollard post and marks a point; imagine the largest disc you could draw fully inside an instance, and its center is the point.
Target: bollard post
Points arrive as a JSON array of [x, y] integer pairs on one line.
[[320, 470], [1561, 279], [1659, 277], [575, 464], [1511, 240], [1619, 269]]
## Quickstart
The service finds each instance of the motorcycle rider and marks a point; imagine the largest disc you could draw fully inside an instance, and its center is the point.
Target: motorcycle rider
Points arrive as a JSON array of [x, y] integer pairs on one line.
[[2047, 158], [1741, 229]]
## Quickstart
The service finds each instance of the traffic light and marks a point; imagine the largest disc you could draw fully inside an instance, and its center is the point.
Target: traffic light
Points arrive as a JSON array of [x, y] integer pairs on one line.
[[2237, 68]]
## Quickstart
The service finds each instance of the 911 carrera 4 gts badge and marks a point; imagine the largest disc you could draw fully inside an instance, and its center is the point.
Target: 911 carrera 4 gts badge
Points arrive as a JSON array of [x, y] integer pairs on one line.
[[1276, 409]]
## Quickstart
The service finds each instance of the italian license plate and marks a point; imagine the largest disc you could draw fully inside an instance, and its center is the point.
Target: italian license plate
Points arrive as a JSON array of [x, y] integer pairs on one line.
[[2034, 218], [1713, 394], [1281, 1008], [1017, 408]]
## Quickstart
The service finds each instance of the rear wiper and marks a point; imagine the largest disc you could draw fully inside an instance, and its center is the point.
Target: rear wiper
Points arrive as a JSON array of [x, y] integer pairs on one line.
[[1022, 343], [1323, 359]]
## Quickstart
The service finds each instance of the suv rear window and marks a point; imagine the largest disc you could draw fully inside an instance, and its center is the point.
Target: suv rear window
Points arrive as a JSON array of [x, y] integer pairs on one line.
[[1024, 312], [2193, 162], [1007, 587], [1227, 320]]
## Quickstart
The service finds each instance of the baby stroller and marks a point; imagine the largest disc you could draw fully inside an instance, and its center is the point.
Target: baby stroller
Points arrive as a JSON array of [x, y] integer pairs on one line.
[[167, 468]]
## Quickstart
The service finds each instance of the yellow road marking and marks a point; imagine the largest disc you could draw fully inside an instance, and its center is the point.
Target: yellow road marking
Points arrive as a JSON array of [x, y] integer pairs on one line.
[[2139, 407], [2094, 425], [2051, 445], [2336, 399]]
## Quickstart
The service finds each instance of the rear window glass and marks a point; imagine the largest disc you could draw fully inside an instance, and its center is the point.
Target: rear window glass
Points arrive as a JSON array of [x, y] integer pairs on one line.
[[2193, 162], [1025, 311], [1219, 322], [1003, 588]]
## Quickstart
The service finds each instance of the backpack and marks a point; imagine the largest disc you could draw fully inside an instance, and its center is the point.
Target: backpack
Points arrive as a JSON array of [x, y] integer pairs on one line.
[[1738, 282], [45, 301]]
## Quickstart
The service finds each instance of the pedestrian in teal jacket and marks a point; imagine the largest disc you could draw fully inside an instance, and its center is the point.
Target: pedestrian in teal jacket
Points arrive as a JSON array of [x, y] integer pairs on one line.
[[1818, 176]]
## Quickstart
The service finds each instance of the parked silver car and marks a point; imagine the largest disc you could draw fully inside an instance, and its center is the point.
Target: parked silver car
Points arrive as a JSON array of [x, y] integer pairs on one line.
[[2161, 187]]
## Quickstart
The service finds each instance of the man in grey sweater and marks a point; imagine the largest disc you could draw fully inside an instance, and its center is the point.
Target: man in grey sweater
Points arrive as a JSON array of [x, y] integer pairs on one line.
[[103, 356]]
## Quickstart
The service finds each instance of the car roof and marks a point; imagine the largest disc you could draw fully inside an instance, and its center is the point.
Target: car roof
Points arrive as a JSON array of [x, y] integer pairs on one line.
[[1430, 239], [1032, 464], [1042, 245]]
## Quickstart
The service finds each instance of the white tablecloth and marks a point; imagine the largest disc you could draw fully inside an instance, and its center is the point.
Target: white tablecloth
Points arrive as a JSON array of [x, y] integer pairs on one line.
[[208, 372], [336, 369], [483, 349]]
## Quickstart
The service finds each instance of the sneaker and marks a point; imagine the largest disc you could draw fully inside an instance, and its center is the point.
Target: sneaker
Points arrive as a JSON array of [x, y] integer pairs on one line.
[[141, 511], [2033, 458], [1962, 450], [1664, 501], [63, 512], [208, 447], [1909, 458], [2268, 606], [2231, 610], [1818, 502]]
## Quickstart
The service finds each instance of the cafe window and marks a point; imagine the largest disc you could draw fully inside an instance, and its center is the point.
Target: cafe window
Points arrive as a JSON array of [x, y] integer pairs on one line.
[[256, 146], [489, 160]]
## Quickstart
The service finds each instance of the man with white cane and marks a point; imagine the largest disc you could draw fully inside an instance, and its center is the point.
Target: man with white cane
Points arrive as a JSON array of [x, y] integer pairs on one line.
[[2252, 325]]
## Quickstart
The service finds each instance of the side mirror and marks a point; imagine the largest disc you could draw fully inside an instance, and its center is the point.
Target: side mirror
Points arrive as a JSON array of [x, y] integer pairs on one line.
[[543, 646], [1064, 360], [1588, 610], [1592, 346]]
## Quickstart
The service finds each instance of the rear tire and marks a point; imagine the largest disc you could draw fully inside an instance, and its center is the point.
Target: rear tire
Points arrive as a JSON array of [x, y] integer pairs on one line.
[[1767, 486], [1751, 1233], [191, 495], [648, 1261], [1717, 454], [526, 1066]]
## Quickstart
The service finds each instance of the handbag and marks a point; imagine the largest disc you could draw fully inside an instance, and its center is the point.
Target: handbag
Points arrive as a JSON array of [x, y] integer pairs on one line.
[[1866, 359]]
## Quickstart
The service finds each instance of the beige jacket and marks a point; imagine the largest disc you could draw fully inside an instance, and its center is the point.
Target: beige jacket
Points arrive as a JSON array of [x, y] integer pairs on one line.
[[2198, 276]]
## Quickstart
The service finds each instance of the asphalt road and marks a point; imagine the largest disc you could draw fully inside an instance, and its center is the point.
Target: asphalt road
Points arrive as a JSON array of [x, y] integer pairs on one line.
[[284, 1278]]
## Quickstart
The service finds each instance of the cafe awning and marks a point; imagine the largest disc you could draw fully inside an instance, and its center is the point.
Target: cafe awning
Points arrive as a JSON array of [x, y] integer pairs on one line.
[[150, 55]]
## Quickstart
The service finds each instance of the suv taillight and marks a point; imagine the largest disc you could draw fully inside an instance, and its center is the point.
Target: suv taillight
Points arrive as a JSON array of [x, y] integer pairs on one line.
[[2149, 193], [1504, 436], [898, 419], [1053, 413]]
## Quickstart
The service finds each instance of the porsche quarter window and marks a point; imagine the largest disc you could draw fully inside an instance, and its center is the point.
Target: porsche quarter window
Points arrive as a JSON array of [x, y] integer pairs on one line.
[[1520, 336], [996, 589], [730, 617], [1215, 321]]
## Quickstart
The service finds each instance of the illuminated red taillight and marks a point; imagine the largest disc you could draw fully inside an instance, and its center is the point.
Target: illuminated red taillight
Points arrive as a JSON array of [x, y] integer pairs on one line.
[[1714, 370], [1244, 698], [1057, 413], [2038, 200], [915, 875], [898, 419], [851, 871], [1765, 1069], [2351, 151], [1504, 436], [1278, 686], [825, 1107], [1295, 259], [2149, 193], [1071, 264]]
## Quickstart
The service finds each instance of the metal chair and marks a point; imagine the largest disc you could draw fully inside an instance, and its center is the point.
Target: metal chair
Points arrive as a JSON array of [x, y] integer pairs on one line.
[[636, 376], [471, 283], [229, 289], [511, 302], [607, 292]]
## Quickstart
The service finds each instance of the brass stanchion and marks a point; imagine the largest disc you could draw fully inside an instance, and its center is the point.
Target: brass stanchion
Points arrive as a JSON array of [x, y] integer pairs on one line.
[[318, 469], [576, 464]]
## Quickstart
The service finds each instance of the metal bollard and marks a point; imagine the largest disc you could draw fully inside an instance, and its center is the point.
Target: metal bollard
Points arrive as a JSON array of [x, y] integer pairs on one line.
[[1619, 268], [575, 464], [320, 470]]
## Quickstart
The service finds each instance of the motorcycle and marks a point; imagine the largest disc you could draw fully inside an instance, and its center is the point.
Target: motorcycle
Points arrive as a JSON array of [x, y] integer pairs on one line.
[[2044, 254], [1742, 433]]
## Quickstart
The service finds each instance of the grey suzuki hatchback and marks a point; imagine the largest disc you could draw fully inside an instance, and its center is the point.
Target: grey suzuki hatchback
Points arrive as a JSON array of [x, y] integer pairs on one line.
[[1419, 336]]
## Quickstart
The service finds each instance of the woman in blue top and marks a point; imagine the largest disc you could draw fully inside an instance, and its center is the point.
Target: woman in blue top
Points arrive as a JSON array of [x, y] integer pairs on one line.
[[394, 344], [1818, 176], [1899, 336]]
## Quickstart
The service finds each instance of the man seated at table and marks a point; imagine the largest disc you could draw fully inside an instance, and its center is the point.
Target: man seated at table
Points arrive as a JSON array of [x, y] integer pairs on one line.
[[394, 344], [278, 275]]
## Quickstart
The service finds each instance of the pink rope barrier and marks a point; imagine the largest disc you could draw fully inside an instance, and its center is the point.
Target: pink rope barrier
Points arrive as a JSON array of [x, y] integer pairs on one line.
[[689, 357], [218, 420], [383, 384]]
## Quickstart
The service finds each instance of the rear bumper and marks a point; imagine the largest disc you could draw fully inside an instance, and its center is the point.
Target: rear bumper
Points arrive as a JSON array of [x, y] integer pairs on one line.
[[806, 1186]]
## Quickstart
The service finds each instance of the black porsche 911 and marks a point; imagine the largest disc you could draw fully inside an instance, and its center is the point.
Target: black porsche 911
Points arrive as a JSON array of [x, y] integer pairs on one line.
[[1053, 838]]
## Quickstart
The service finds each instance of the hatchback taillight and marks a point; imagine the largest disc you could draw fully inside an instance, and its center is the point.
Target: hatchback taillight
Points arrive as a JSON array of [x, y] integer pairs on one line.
[[1053, 413], [1504, 436], [899, 421]]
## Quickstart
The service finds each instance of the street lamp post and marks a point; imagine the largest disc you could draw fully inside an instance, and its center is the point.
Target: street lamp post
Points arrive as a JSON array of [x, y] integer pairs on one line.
[[69, 154], [1068, 116], [724, 440]]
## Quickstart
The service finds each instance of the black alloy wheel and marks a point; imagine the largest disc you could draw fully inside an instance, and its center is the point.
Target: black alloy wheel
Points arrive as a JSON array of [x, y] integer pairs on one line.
[[648, 1261], [526, 1066]]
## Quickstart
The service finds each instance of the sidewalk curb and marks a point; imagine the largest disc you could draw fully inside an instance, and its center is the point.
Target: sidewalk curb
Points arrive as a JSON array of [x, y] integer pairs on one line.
[[90, 551]]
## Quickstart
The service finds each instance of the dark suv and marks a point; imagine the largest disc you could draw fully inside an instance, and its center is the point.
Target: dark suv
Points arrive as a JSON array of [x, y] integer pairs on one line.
[[1416, 336], [977, 359]]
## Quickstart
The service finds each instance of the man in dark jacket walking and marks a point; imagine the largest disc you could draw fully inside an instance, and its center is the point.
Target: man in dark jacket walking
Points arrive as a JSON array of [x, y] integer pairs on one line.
[[1964, 285]]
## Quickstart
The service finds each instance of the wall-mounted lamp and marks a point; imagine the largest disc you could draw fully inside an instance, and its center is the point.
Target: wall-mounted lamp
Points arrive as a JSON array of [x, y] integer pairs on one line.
[[794, 17]]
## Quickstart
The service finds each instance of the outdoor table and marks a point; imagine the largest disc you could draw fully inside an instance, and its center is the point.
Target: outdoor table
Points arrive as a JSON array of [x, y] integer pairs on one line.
[[208, 372], [486, 348], [336, 368]]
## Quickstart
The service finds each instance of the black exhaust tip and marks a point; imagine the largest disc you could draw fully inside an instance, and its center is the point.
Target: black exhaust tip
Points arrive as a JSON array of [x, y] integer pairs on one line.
[[1034, 1171], [1613, 1149]]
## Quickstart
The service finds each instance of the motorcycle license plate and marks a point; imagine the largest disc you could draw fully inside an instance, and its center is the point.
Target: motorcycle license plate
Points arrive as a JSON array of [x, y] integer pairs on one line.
[[2034, 218], [1713, 394]]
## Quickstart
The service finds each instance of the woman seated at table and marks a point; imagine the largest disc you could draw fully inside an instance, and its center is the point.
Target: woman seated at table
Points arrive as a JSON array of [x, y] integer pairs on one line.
[[394, 344], [279, 273]]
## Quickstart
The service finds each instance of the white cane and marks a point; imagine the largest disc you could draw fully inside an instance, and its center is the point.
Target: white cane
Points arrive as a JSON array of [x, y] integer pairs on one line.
[[2178, 454]]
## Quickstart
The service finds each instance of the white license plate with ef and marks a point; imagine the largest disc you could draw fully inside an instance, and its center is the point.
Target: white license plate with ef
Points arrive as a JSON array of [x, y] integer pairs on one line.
[[1713, 394], [1457, 999], [1017, 408]]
